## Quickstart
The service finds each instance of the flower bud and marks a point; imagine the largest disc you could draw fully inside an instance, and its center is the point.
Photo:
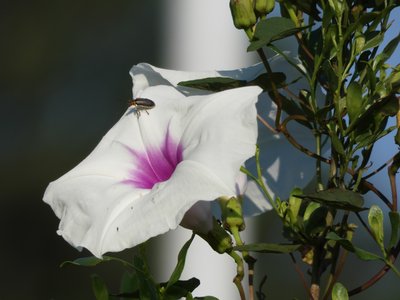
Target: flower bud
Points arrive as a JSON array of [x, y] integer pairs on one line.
[[232, 213], [263, 7], [242, 13], [359, 43]]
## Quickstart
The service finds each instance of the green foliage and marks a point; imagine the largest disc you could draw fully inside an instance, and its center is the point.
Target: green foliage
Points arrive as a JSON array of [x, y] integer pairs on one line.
[[217, 84], [343, 51], [270, 30], [99, 288], [268, 248], [339, 292]]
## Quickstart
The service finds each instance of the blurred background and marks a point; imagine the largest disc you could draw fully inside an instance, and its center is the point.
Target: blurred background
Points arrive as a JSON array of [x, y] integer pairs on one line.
[[63, 83]]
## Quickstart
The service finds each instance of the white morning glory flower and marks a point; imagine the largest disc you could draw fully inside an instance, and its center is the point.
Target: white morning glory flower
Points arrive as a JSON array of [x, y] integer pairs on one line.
[[283, 166], [148, 171]]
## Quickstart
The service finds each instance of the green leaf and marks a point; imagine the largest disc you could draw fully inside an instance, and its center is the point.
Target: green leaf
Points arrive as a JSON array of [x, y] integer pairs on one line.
[[337, 144], [373, 39], [265, 81], [294, 204], [129, 283], [317, 221], [92, 261], [311, 207], [268, 248], [148, 289], [375, 115], [354, 101], [386, 53], [338, 198], [339, 292], [394, 218], [218, 84], [176, 274], [99, 288], [346, 244], [291, 108], [272, 29], [307, 6], [89, 261], [215, 84], [375, 220], [180, 289]]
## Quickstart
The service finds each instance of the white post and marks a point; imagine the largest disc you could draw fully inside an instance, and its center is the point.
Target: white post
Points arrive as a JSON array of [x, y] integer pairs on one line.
[[199, 35]]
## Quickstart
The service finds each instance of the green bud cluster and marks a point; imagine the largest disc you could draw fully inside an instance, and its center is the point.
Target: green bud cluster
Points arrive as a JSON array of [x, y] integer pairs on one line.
[[245, 12], [264, 7]]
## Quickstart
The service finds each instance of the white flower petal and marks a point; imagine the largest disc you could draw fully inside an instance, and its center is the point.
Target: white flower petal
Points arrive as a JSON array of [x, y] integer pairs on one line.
[[284, 166], [148, 171]]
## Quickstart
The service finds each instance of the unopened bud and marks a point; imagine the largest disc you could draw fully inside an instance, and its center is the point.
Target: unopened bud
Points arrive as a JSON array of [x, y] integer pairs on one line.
[[242, 13], [359, 43], [263, 7], [232, 213]]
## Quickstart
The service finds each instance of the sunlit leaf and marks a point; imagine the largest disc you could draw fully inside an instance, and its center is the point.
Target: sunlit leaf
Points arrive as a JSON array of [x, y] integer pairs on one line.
[[375, 220], [339, 292]]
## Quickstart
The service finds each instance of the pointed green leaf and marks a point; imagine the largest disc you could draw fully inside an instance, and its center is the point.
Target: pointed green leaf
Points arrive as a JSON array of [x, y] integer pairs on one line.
[[373, 39], [346, 244], [375, 220], [89, 261], [148, 289], [311, 207], [272, 29], [268, 248], [339, 292], [294, 204], [215, 84], [337, 144], [99, 288], [176, 274], [354, 101], [338, 198], [92, 261]]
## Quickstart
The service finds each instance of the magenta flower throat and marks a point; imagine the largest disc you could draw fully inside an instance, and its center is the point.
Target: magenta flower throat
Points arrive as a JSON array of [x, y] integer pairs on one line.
[[156, 164]]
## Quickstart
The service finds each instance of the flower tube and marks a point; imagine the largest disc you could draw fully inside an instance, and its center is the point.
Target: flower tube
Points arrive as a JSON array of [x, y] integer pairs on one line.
[[149, 170], [283, 166]]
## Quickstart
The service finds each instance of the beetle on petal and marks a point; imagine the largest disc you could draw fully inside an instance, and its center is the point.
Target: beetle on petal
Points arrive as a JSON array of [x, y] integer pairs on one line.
[[140, 104]]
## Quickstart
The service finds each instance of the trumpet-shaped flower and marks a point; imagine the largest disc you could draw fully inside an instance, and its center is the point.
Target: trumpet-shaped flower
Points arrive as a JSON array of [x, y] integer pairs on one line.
[[283, 166], [149, 170]]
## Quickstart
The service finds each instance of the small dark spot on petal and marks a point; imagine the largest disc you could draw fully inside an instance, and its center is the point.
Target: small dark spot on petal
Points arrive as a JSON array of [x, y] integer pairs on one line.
[[117, 228]]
